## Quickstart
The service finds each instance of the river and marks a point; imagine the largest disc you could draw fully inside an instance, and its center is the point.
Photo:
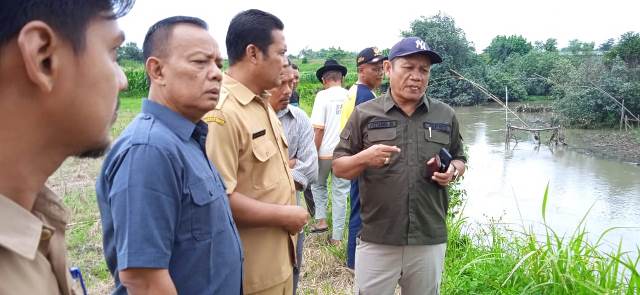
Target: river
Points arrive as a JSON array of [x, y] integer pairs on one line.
[[508, 185]]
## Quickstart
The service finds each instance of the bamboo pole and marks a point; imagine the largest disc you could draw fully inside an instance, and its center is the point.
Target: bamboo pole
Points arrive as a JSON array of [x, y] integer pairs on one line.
[[622, 115], [489, 94], [534, 129]]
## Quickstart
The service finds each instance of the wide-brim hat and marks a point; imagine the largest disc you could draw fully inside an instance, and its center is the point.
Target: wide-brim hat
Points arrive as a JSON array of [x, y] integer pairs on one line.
[[330, 65], [413, 45]]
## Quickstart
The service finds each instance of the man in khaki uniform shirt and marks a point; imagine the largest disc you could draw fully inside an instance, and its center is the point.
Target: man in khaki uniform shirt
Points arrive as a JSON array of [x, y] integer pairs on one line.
[[59, 83], [246, 143]]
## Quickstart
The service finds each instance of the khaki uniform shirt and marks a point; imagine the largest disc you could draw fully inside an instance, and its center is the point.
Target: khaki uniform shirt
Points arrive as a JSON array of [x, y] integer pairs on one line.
[[33, 255], [399, 206], [246, 143]]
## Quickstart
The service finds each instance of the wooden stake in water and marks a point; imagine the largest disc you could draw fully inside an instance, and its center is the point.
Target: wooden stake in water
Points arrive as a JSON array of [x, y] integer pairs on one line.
[[506, 108]]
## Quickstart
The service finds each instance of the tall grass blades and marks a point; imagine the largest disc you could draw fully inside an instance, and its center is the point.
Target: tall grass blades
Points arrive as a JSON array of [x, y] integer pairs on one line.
[[497, 260]]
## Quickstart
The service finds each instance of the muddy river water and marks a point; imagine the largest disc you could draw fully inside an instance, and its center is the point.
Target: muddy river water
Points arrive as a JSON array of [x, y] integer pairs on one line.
[[507, 185]]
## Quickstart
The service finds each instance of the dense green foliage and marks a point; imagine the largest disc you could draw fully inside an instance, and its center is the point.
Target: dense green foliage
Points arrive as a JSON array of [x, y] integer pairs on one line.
[[580, 78], [503, 47], [130, 51]]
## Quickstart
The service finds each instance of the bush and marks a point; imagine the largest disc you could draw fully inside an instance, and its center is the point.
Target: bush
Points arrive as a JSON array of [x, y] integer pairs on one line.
[[581, 104]]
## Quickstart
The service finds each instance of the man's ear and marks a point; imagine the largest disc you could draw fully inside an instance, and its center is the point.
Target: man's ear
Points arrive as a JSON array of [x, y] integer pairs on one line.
[[154, 68], [386, 65], [40, 48], [251, 52]]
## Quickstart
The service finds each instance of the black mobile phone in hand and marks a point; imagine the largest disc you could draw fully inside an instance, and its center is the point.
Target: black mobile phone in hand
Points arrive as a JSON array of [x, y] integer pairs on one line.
[[445, 160]]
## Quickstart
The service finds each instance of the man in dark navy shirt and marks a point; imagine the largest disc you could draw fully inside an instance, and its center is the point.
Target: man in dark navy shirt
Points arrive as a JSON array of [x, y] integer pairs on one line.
[[370, 75], [165, 215]]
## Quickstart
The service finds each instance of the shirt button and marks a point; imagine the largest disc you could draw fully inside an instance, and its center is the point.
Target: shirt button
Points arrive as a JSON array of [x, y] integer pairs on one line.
[[146, 117], [210, 193]]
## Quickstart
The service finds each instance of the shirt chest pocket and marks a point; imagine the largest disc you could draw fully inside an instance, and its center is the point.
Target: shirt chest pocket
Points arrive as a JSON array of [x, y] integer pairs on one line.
[[210, 213], [381, 136], [433, 141], [265, 171]]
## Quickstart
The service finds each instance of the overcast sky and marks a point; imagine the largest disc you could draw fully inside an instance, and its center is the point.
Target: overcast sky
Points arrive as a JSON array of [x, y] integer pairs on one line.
[[354, 25]]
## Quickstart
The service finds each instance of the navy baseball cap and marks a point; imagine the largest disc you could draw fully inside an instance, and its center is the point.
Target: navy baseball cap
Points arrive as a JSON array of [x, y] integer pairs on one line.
[[370, 55], [413, 45]]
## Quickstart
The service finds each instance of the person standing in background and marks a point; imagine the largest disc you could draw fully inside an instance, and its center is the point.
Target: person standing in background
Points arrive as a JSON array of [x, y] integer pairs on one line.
[[303, 159], [370, 74], [325, 119]]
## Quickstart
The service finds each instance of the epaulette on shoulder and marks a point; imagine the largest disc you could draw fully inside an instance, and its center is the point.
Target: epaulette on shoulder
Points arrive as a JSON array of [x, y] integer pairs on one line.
[[142, 130], [224, 93]]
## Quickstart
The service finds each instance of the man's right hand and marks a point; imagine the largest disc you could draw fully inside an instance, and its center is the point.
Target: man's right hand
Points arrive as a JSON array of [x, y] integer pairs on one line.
[[296, 218], [379, 155]]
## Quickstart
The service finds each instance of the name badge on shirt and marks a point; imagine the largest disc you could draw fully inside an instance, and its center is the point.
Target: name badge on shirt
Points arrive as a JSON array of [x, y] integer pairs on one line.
[[443, 127], [382, 124], [259, 133]]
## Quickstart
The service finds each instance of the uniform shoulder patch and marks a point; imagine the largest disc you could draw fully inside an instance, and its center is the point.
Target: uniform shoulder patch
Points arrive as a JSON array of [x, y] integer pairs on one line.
[[214, 116]]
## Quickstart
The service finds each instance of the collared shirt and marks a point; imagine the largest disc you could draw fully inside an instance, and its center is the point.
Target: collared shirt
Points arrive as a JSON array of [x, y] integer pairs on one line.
[[299, 133], [33, 255], [163, 205], [248, 146], [327, 109], [358, 93], [399, 205]]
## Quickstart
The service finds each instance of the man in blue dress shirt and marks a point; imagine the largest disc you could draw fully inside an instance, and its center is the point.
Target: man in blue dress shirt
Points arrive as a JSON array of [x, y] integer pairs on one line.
[[166, 219]]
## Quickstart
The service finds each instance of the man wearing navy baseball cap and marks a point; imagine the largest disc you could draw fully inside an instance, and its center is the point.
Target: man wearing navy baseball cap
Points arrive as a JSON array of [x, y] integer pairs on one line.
[[390, 145]]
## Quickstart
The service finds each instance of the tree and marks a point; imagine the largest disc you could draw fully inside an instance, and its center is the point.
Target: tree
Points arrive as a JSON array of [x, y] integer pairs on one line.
[[551, 45], [581, 105], [444, 37], [577, 47], [627, 49], [130, 51], [502, 47], [607, 45]]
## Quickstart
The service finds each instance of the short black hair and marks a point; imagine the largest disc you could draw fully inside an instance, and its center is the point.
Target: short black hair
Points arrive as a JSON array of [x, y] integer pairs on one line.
[[157, 36], [251, 26], [294, 66], [332, 76], [69, 18]]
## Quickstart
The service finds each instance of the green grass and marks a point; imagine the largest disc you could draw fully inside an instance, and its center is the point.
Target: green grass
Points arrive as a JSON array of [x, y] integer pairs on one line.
[[498, 260]]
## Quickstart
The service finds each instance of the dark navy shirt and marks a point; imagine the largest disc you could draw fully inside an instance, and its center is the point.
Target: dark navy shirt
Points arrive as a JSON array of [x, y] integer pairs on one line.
[[364, 94], [163, 205], [294, 99]]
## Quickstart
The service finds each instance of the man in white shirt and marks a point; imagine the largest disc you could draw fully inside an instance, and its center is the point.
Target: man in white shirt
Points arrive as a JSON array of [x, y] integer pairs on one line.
[[325, 119]]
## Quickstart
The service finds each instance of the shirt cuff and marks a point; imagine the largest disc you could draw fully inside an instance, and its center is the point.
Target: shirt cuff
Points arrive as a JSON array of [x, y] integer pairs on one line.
[[300, 178], [143, 260]]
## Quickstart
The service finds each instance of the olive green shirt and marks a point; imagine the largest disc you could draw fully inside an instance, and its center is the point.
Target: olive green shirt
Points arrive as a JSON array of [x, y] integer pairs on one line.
[[398, 205]]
